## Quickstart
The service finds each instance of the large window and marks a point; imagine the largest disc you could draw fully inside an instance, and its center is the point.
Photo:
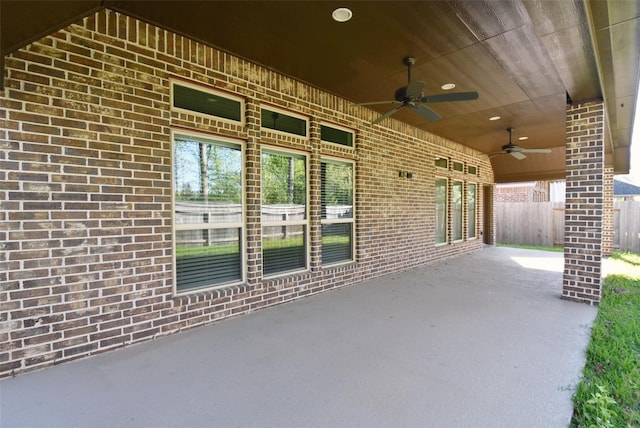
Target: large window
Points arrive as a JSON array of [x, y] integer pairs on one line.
[[284, 212], [456, 210], [337, 211], [208, 212], [471, 209], [441, 210]]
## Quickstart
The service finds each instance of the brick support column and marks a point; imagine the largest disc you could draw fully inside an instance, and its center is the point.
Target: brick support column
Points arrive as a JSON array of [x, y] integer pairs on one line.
[[607, 215], [253, 195], [315, 196], [584, 203]]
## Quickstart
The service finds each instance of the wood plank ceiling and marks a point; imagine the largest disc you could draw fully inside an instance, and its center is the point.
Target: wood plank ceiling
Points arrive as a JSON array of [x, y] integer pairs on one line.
[[525, 58]]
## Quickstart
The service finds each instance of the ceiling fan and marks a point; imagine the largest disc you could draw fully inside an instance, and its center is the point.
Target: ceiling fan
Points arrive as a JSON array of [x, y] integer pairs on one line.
[[412, 96], [517, 151]]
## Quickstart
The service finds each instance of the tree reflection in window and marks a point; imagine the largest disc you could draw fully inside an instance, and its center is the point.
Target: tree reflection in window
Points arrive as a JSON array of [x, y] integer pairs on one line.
[[284, 212], [208, 212], [207, 172]]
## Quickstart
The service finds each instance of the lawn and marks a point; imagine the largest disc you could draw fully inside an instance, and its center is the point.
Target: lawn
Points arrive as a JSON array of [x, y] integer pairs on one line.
[[609, 393], [533, 247]]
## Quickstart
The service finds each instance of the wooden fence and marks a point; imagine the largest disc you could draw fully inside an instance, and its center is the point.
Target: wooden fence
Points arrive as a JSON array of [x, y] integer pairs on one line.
[[626, 225], [542, 223]]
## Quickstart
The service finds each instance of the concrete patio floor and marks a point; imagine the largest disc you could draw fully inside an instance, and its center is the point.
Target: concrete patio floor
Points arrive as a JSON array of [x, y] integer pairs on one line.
[[481, 340]]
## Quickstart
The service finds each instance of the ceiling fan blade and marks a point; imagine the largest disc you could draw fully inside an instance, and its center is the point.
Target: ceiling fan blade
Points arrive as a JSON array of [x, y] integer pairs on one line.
[[452, 96], [387, 114], [518, 155], [373, 103], [414, 90], [535, 150], [427, 112]]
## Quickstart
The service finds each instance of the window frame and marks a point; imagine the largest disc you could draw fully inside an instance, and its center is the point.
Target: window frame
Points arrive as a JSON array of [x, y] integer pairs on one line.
[[225, 142], [339, 128], [475, 211], [208, 90], [441, 168], [446, 210], [279, 110], [462, 210], [305, 222], [351, 220]]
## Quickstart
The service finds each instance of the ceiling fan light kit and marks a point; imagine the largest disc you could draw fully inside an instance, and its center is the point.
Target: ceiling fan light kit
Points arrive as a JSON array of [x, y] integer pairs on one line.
[[412, 96]]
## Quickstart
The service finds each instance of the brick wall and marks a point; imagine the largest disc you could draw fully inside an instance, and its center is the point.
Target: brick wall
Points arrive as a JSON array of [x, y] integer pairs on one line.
[[85, 189], [519, 192], [585, 202]]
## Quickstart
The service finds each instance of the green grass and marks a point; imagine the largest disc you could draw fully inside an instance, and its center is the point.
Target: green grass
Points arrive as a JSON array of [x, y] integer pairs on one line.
[[217, 250], [609, 393], [533, 247]]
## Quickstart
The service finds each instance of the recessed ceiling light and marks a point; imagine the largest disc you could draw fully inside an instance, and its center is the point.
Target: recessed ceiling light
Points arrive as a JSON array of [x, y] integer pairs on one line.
[[341, 14], [495, 118], [523, 138], [448, 86]]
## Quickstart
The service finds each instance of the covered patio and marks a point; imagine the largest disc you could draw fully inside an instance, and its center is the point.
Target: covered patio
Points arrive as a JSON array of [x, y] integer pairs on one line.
[[477, 340]]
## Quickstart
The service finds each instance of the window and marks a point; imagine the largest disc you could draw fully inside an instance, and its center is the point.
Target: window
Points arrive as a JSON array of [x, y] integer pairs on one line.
[[208, 212], [472, 170], [456, 210], [337, 211], [284, 212], [458, 166], [471, 210], [442, 163], [208, 102], [441, 210], [285, 122], [335, 135]]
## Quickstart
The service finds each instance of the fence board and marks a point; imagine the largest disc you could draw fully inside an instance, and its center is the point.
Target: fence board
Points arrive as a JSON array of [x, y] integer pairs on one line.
[[542, 223], [525, 223], [627, 231]]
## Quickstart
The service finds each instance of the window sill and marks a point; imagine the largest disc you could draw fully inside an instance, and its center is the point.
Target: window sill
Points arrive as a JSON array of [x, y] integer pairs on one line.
[[201, 295]]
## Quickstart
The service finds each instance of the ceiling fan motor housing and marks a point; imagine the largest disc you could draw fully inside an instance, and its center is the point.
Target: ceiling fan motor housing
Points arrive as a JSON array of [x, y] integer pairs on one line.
[[401, 94]]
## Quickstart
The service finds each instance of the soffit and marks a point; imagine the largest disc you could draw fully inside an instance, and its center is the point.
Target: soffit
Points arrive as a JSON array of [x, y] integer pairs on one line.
[[523, 58]]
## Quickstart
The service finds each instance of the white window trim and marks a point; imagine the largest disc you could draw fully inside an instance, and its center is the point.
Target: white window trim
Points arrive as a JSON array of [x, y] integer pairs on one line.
[[213, 91], [441, 168], [446, 212], [306, 222], [341, 128], [349, 220], [463, 196], [453, 164], [199, 226], [470, 238], [284, 111]]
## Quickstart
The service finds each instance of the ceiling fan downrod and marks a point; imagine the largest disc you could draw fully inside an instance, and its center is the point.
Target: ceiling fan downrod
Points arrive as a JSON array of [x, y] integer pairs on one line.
[[409, 61], [510, 131]]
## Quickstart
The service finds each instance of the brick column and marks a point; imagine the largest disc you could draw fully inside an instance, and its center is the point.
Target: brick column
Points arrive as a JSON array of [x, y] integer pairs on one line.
[[315, 190], [584, 204], [607, 215], [253, 195]]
